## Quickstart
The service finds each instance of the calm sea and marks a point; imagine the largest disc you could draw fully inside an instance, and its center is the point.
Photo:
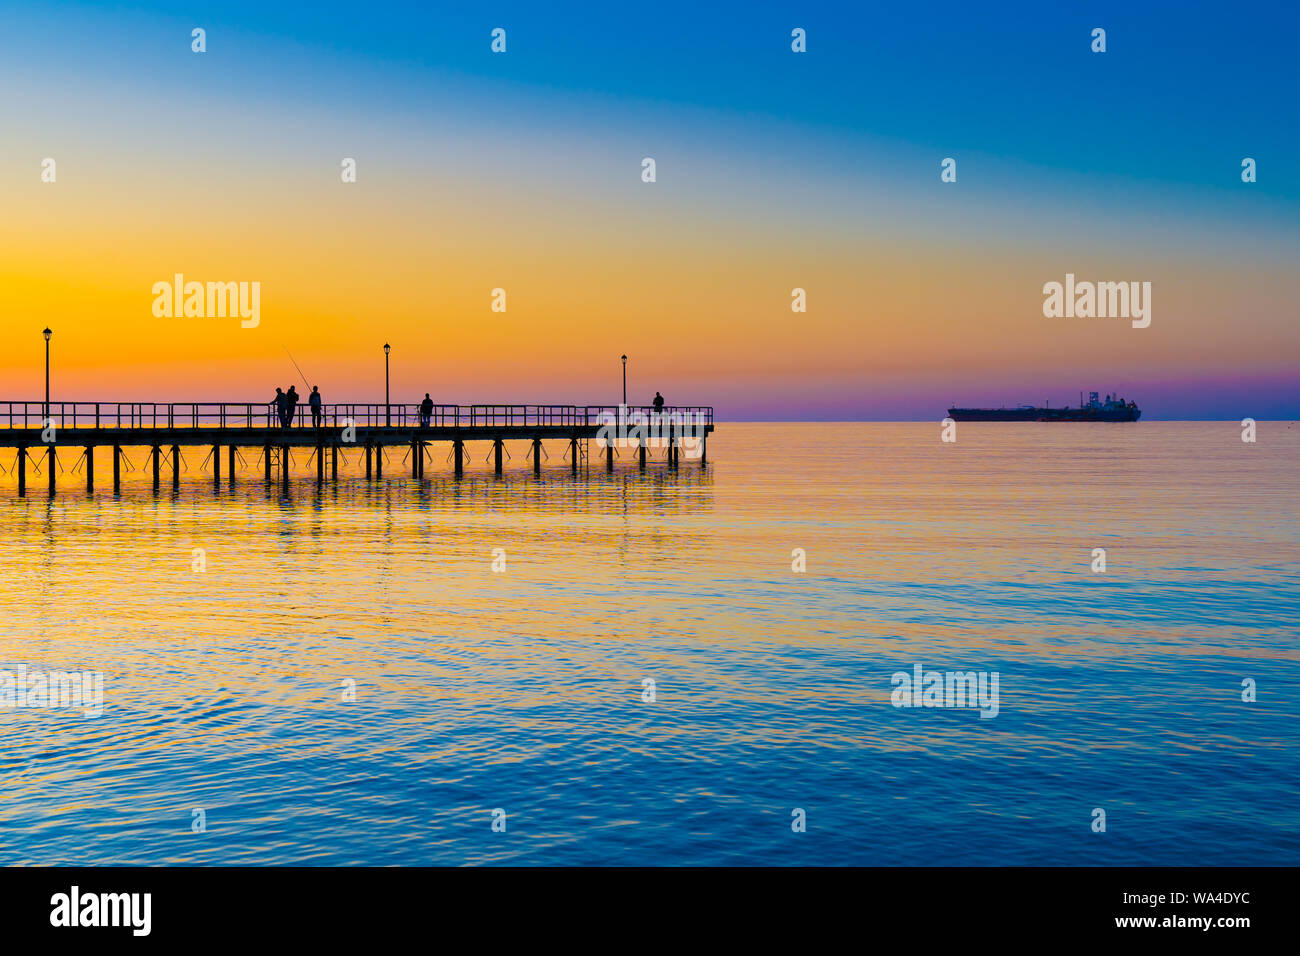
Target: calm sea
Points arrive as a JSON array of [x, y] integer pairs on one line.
[[521, 689]]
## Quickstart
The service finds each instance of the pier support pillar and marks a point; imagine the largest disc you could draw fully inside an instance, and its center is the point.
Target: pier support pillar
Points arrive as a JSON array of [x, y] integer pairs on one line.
[[156, 452], [334, 462], [284, 467], [117, 468], [416, 453], [51, 460], [369, 463], [640, 456], [266, 462], [672, 449], [537, 457], [458, 450], [497, 448], [176, 467], [231, 464], [22, 471], [573, 455], [704, 450], [216, 465], [320, 464], [379, 461], [90, 468], [609, 455]]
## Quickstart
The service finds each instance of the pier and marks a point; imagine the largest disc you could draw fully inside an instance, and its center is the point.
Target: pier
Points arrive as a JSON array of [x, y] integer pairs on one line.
[[40, 433]]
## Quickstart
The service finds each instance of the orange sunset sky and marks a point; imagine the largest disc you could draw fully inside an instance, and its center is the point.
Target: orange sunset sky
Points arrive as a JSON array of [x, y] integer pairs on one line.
[[475, 173]]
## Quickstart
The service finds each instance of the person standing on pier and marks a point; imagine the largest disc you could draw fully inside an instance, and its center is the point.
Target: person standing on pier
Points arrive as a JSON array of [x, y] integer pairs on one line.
[[314, 401], [658, 403], [290, 405], [426, 411], [278, 404]]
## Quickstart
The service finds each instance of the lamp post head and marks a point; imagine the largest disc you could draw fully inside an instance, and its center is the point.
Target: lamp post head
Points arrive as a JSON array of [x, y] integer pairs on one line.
[[386, 348], [624, 359], [47, 333]]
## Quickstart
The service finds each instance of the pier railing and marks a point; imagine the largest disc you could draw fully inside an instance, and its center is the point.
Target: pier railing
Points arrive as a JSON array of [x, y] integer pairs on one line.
[[243, 415]]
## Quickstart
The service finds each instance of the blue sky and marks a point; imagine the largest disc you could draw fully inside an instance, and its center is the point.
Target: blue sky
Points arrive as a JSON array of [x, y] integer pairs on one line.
[[1183, 89]]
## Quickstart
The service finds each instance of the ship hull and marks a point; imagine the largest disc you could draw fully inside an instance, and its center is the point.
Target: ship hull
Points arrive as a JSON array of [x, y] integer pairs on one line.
[[994, 414], [1045, 414]]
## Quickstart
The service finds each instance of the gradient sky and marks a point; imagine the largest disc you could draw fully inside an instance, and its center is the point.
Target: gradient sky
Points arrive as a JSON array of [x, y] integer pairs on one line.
[[775, 170]]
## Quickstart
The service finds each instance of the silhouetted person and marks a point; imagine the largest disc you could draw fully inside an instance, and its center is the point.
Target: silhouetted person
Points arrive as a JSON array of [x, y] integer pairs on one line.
[[290, 405], [278, 403], [426, 411], [314, 401], [658, 403]]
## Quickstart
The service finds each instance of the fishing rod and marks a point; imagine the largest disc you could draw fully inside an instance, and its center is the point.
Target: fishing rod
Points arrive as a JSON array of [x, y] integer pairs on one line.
[[295, 365]]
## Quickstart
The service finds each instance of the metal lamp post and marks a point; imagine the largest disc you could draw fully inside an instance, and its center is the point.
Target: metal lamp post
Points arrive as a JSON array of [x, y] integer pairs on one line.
[[388, 410], [47, 333], [624, 379]]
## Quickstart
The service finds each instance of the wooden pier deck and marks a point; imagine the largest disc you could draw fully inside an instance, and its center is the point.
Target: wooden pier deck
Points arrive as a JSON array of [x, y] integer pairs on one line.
[[33, 428]]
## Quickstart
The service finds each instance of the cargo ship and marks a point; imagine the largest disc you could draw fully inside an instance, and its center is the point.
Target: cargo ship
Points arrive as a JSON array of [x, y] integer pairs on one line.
[[1111, 409]]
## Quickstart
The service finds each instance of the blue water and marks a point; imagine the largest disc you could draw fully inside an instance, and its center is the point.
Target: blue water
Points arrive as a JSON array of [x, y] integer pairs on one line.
[[522, 690]]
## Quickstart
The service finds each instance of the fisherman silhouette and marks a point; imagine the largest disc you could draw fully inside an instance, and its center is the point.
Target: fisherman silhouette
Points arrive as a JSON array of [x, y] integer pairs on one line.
[[290, 405], [659, 402], [278, 402], [314, 401], [426, 411]]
